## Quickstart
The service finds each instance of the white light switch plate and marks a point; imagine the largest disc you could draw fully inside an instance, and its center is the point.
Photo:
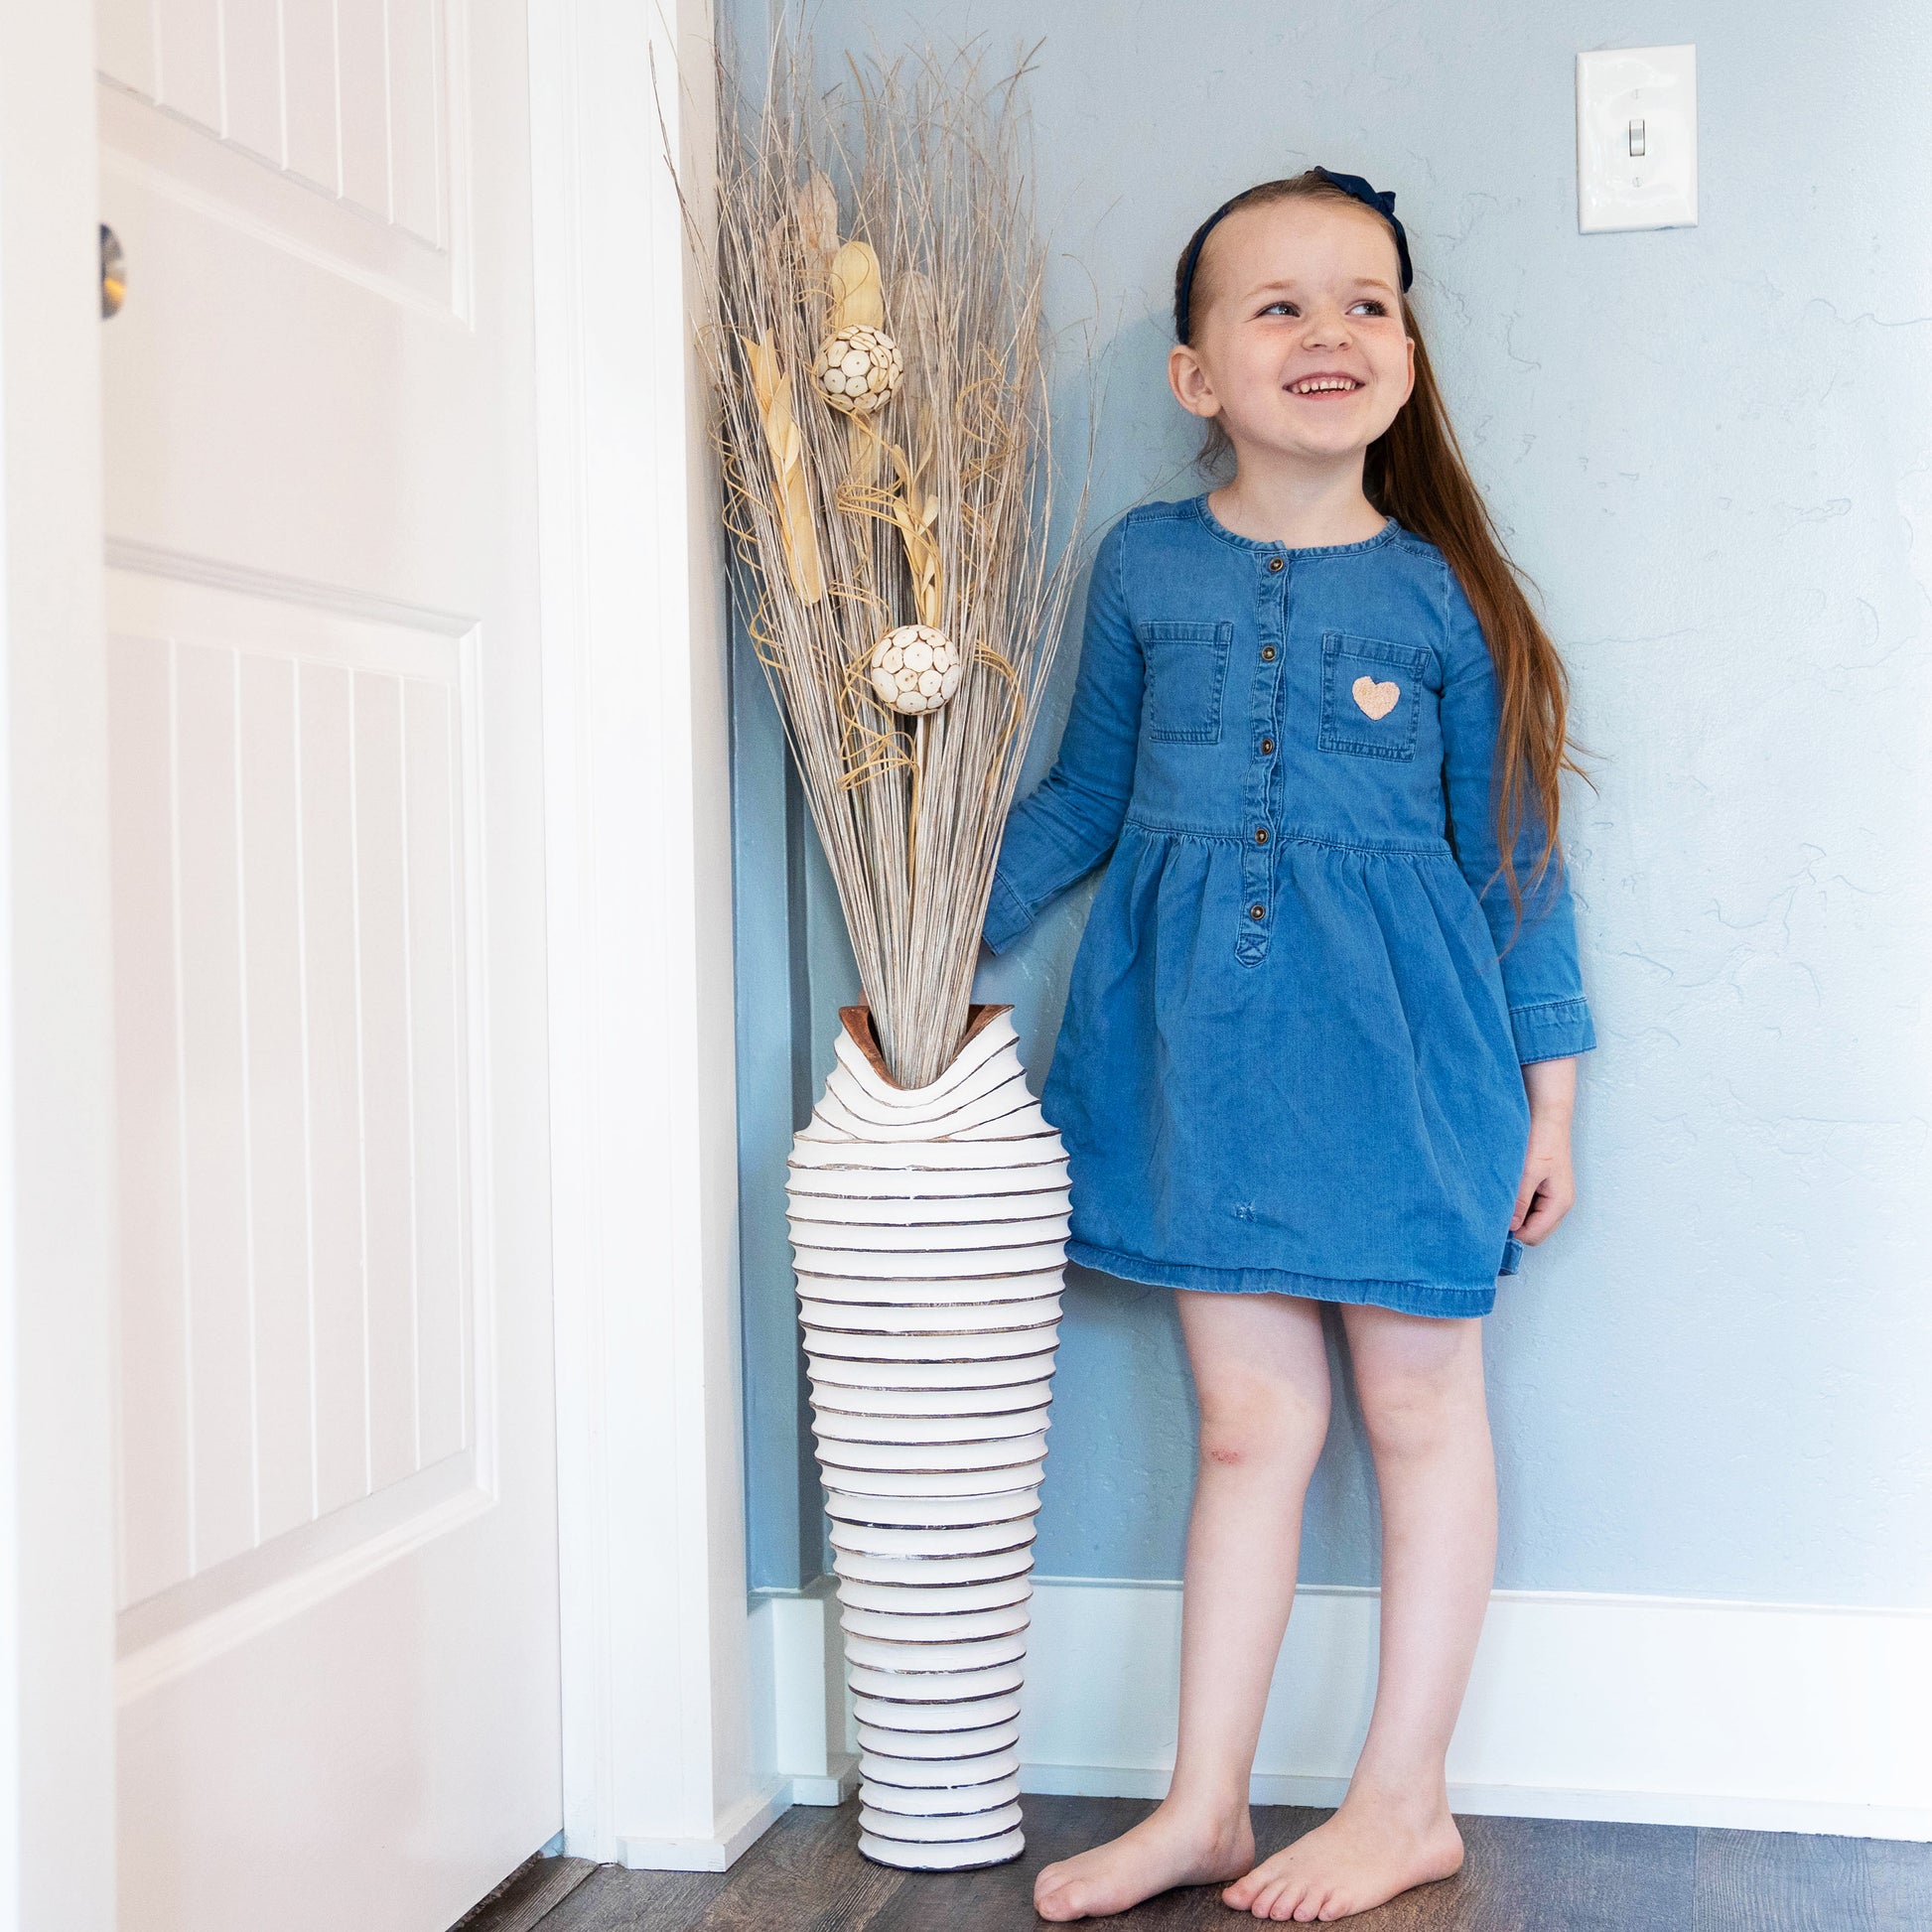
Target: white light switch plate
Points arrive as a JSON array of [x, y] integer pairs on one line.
[[1637, 138]]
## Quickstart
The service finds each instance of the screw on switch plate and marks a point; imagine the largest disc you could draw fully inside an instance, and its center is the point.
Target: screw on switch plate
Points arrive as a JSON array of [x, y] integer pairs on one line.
[[1637, 139]]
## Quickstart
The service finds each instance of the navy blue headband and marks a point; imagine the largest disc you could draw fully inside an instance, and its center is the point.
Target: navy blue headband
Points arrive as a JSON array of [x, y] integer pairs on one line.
[[1383, 203]]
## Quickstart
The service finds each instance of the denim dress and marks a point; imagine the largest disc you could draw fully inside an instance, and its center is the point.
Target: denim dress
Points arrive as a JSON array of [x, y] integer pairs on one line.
[[1290, 1056]]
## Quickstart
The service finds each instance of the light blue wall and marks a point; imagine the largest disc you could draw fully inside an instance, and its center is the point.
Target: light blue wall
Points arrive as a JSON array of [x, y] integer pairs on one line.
[[1713, 449]]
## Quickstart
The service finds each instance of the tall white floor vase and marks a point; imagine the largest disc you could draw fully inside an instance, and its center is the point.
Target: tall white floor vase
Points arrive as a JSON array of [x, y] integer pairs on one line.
[[930, 1231]]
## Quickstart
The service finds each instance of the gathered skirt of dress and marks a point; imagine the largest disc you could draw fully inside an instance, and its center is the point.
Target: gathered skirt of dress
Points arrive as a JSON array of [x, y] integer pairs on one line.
[[1342, 1117]]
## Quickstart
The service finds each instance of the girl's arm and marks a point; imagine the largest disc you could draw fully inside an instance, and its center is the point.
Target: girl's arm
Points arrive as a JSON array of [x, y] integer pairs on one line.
[[1068, 825], [1547, 1013], [1549, 1186]]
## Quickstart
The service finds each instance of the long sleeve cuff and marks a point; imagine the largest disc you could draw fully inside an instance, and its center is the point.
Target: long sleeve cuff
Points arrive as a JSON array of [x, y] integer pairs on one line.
[[1551, 1029], [1007, 915]]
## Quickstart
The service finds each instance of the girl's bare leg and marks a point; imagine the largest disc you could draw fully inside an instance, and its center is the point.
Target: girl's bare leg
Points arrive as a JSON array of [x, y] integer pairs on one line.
[[1420, 1382], [1261, 1373]]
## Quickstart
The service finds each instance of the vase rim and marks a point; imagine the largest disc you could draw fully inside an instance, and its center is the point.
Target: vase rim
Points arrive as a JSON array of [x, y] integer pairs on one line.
[[857, 1021]]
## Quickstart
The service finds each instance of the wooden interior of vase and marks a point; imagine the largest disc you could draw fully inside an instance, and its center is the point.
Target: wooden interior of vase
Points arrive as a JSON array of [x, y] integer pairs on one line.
[[858, 1025]]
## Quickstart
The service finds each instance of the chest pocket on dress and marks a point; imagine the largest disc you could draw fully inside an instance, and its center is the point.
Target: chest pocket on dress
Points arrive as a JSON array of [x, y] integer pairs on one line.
[[1371, 695], [1187, 666]]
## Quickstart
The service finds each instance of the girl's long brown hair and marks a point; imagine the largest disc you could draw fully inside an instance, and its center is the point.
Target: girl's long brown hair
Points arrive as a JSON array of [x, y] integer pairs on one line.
[[1415, 472]]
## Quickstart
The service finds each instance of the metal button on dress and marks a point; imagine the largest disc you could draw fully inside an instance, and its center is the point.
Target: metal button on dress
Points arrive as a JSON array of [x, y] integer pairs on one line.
[[1256, 912], [1274, 562], [1261, 835], [1268, 653], [1267, 747]]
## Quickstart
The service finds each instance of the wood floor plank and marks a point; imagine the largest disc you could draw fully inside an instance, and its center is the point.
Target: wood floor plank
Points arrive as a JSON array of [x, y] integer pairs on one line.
[[806, 1871], [526, 1896], [1785, 1882], [1899, 1883], [612, 1899], [1526, 1874], [1797, 1882]]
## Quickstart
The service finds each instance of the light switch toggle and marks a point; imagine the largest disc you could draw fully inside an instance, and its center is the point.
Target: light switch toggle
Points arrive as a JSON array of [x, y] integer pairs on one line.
[[1636, 138]]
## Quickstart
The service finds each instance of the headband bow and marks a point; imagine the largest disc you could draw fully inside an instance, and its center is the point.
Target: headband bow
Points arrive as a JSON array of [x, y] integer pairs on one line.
[[1383, 202]]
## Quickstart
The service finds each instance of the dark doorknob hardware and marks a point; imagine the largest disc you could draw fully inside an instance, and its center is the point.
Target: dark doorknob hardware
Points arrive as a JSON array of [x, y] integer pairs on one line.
[[113, 273]]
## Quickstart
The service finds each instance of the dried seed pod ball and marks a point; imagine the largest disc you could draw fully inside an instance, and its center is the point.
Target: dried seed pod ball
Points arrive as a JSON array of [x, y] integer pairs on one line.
[[913, 669], [857, 369]]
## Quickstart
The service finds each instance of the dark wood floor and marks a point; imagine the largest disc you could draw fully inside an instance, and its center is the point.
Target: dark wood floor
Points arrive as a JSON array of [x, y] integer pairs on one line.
[[1522, 1874]]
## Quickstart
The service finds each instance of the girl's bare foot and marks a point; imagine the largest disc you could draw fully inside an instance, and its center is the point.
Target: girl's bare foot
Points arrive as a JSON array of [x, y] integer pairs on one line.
[[1361, 1857], [1168, 1847]]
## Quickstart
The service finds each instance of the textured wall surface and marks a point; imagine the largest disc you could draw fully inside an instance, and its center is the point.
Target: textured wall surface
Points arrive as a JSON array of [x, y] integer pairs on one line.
[[1712, 448]]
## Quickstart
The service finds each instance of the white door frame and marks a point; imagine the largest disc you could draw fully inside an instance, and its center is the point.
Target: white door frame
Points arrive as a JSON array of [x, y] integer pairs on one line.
[[660, 1764], [57, 1173]]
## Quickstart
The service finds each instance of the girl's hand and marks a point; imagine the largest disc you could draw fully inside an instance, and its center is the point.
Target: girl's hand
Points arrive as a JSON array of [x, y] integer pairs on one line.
[[1549, 1186]]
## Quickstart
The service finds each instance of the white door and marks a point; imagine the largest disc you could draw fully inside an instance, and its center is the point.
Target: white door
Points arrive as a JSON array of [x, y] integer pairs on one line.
[[338, 1667]]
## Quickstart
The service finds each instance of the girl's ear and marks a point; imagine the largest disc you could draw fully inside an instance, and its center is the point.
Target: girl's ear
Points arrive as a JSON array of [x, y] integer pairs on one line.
[[1191, 385]]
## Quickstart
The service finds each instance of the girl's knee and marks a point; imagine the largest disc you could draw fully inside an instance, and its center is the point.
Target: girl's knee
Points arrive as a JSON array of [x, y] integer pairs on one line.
[[1418, 1399], [1258, 1421]]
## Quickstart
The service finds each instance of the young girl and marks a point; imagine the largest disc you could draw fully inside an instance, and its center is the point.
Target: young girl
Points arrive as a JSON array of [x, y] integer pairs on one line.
[[1320, 1041]]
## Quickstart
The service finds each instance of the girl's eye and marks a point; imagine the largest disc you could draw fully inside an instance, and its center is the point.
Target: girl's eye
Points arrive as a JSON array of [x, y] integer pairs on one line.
[[1369, 304]]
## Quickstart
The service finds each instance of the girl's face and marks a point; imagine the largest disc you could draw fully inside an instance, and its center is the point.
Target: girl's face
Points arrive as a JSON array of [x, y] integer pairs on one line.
[[1298, 348]]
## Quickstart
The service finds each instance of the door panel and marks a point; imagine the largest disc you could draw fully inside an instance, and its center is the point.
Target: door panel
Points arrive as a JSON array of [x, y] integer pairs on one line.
[[295, 1077], [338, 1629]]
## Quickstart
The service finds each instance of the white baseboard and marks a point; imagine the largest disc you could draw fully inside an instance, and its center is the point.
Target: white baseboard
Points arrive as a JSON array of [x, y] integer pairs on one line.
[[798, 1711], [1639, 1709], [797, 1692], [738, 1829], [1523, 1801], [1652, 1710], [833, 1786]]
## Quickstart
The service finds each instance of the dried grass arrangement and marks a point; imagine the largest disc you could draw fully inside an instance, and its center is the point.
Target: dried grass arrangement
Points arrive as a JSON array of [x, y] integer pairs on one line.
[[880, 366]]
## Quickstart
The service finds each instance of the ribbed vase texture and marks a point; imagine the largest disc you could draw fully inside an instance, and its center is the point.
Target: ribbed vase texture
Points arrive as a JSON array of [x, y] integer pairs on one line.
[[929, 1230]]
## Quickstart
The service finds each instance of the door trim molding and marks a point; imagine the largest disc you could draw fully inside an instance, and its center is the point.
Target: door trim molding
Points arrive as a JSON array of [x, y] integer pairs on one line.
[[56, 1119], [210, 572], [658, 1754]]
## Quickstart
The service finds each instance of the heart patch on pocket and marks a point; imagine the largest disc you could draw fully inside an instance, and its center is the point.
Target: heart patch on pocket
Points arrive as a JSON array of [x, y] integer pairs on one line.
[[1378, 700]]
